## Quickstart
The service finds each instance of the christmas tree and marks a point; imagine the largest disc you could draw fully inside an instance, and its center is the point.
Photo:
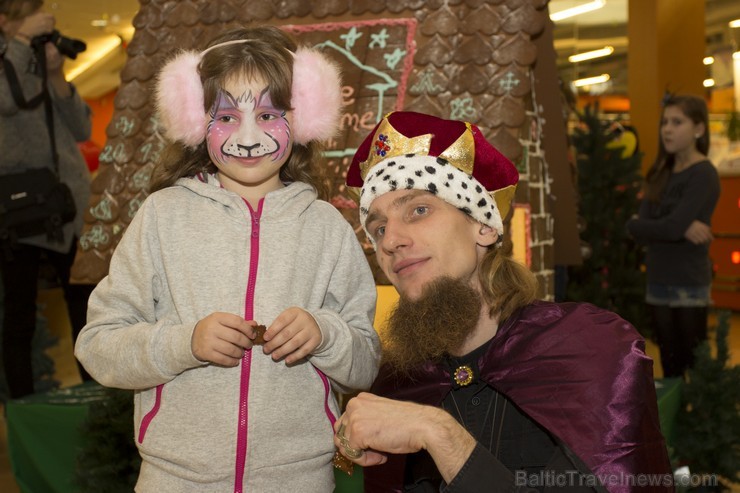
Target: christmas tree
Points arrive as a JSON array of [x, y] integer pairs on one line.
[[108, 460], [608, 183], [708, 425]]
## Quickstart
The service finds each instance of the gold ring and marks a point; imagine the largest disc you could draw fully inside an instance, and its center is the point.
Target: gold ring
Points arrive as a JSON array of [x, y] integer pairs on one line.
[[352, 453], [340, 433]]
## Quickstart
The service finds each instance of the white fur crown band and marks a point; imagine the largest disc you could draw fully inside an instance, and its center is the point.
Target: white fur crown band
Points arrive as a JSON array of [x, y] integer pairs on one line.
[[316, 97]]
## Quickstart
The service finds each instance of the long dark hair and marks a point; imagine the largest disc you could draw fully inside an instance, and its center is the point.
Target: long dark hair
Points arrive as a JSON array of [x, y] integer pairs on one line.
[[269, 54], [694, 108]]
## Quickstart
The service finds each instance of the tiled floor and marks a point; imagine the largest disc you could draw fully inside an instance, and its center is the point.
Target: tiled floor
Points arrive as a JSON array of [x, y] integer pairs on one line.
[[66, 370]]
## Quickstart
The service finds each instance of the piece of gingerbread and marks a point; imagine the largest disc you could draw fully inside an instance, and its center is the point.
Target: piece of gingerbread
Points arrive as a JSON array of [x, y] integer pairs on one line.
[[260, 339]]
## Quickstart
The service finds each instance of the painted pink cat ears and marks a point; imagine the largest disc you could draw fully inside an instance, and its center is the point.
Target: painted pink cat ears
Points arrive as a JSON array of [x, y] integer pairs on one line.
[[316, 97]]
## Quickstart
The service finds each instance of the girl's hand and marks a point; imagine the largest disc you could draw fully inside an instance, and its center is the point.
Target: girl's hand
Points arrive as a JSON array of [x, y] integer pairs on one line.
[[698, 233], [293, 335], [221, 338]]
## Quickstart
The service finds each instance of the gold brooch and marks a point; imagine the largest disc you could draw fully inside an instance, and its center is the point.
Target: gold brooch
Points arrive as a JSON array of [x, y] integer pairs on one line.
[[463, 375]]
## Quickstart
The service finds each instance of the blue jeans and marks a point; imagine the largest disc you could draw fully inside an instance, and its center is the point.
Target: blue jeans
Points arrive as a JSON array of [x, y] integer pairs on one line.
[[675, 296]]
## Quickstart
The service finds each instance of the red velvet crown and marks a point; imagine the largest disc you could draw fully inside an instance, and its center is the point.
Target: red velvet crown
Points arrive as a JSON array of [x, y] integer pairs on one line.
[[405, 132]]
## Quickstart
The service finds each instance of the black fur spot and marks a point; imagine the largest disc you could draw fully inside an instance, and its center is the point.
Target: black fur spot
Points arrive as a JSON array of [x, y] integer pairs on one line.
[[409, 183], [380, 172], [482, 202], [432, 188], [411, 154], [418, 173], [386, 177], [478, 189], [488, 215], [447, 184], [465, 210], [459, 196], [465, 185], [430, 169], [442, 161], [450, 176], [363, 210], [391, 164], [393, 184], [403, 166], [467, 199], [372, 189]]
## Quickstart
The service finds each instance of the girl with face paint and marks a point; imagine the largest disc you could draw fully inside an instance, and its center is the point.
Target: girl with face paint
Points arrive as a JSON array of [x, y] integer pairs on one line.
[[232, 237]]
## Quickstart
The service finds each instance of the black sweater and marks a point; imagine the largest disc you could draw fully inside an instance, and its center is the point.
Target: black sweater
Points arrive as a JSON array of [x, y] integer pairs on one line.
[[691, 194]]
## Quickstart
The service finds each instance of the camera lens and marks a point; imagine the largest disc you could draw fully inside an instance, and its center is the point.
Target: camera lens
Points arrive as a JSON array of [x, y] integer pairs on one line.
[[68, 47]]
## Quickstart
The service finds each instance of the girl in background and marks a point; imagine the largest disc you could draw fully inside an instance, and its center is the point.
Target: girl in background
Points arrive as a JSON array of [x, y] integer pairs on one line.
[[234, 236], [674, 221]]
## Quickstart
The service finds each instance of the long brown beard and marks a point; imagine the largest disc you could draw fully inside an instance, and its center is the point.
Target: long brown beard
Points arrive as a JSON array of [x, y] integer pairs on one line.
[[433, 326]]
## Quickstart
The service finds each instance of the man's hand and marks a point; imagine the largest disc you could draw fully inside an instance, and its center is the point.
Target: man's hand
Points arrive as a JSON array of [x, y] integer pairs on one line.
[[293, 335], [698, 233], [378, 426], [221, 338]]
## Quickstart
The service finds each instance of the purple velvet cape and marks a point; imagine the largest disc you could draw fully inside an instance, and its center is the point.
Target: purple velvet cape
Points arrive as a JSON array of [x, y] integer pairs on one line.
[[579, 371]]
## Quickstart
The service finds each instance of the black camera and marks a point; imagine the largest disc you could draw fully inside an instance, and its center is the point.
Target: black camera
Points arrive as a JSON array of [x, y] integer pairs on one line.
[[68, 47]]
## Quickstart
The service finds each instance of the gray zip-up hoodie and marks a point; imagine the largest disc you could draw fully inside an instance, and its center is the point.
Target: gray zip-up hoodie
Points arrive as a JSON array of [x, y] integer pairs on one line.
[[194, 249]]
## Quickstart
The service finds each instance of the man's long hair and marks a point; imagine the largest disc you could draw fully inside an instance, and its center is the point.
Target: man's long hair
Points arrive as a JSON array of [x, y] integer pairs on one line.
[[506, 284]]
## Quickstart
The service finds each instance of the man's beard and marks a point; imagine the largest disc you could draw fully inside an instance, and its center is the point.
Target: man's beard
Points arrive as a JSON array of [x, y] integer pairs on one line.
[[433, 326]]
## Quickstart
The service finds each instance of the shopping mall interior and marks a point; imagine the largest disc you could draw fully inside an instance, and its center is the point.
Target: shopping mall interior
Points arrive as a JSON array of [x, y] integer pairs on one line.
[[618, 56]]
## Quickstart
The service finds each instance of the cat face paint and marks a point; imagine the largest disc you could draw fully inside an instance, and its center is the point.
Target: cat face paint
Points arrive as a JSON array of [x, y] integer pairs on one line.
[[248, 139]]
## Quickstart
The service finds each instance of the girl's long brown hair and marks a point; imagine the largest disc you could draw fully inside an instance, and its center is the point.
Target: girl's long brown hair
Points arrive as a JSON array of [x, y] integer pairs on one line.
[[694, 108], [269, 55]]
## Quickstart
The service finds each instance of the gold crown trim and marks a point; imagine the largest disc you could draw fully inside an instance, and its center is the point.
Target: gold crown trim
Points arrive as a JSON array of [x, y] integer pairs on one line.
[[461, 154], [389, 143], [504, 198]]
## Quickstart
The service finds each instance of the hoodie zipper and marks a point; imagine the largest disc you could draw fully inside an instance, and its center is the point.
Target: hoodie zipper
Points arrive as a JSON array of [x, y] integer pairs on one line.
[[241, 442]]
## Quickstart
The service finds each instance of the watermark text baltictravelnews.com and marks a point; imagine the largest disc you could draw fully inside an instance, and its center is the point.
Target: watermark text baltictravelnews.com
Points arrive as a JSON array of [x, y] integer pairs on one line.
[[577, 478]]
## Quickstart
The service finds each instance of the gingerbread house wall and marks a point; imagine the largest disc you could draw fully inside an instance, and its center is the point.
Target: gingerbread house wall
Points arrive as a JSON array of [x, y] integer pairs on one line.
[[464, 59]]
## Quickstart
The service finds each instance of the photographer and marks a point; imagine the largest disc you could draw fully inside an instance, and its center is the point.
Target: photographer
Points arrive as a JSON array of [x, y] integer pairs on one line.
[[26, 134]]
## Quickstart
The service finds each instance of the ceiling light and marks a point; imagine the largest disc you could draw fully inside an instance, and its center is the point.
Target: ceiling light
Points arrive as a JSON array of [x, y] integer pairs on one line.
[[735, 23], [580, 9], [589, 55], [105, 49], [708, 82], [590, 81], [99, 22], [708, 60], [736, 55]]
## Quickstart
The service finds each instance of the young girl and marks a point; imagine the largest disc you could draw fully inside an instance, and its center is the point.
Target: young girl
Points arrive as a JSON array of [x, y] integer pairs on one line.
[[674, 221], [233, 237]]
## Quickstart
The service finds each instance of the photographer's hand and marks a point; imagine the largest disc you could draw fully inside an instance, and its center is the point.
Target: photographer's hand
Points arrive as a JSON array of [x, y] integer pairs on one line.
[[34, 25], [54, 72]]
